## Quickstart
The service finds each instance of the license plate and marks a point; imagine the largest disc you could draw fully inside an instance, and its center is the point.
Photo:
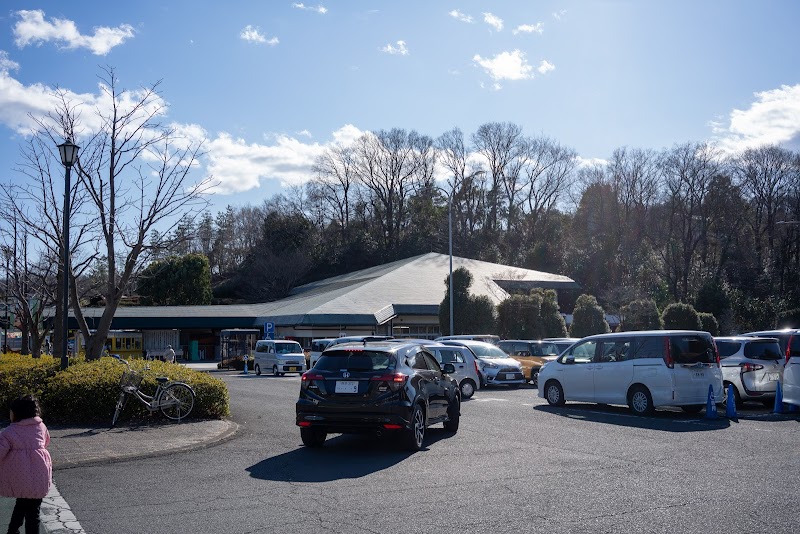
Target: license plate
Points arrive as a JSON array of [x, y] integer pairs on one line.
[[293, 369], [698, 375], [773, 377], [347, 386], [510, 376]]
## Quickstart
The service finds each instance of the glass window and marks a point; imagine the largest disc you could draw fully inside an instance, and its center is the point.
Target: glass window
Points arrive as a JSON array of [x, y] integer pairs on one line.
[[338, 360], [430, 362], [761, 350], [650, 347], [449, 356], [728, 348], [418, 362], [617, 350], [584, 353], [689, 349]]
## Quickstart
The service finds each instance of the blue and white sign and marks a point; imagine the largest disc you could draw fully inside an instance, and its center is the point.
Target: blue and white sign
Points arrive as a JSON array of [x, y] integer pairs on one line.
[[269, 330]]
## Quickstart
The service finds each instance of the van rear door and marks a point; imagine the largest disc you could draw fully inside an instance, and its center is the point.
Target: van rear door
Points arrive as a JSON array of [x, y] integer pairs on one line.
[[694, 368]]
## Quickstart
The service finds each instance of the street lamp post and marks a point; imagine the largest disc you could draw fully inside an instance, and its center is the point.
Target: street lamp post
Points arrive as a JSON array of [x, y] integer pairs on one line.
[[450, 233], [69, 153]]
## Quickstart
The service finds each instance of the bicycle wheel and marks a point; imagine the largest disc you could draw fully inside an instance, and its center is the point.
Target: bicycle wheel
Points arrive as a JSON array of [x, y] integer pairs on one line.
[[176, 401], [123, 398]]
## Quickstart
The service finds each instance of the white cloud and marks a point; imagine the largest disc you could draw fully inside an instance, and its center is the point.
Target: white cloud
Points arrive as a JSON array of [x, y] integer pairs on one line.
[[458, 15], [319, 9], [7, 64], [529, 28], [33, 29], [401, 49], [506, 66], [774, 118], [558, 15], [253, 35], [545, 67], [494, 21], [239, 166]]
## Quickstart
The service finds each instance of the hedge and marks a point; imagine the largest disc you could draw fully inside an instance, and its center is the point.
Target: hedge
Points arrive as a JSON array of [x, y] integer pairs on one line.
[[86, 392]]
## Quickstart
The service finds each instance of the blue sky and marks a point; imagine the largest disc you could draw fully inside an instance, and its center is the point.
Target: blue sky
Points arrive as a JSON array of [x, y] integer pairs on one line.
[[270, 85]]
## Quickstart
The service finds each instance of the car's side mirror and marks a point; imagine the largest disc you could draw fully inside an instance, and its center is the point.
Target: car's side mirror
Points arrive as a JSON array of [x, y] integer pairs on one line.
[[448, 368]]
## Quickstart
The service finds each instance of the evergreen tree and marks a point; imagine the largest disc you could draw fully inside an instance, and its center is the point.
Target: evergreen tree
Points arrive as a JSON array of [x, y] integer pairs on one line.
[[588, 318], [641, 315], [681, 316]]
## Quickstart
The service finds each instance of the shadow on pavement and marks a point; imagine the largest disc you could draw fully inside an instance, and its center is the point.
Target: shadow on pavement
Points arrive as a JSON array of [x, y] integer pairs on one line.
[[342, 457], [663, 419]]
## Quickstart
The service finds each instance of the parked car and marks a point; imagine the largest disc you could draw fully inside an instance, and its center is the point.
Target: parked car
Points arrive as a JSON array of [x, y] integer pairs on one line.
[[487, 338], [317, 346], [279, 356], [495, 367], [753, 365], [789, 340], [531, 354], [562, 343], [644, 370], [375, 388], [466, 366], [357, 339]]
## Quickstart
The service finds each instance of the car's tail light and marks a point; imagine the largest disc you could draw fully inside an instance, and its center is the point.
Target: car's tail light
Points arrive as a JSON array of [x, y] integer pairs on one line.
[[309, 377], [668, 353], [750, 367], [477, 369], [789, 348], [716, 352], [395, 381]]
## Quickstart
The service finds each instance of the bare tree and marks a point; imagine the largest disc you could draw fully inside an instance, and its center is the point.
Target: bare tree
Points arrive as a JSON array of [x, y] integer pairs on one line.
[[136, 173], [500, 143]]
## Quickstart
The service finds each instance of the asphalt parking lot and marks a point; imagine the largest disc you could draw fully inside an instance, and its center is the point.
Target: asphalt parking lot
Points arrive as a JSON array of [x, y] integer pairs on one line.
[[515, 465]]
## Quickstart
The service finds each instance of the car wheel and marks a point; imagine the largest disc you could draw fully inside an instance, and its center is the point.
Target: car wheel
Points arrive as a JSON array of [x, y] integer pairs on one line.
[[453, 414], [640, 401], [467, 388], [415, 436], [313, 437], [693, 408], [258, 370], [275, 371], [534, 378], [554, 393]]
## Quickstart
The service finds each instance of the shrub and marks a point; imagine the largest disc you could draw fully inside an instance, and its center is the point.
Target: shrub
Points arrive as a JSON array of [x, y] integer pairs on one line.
[[86, 392], [681, 316], [641, 315], [22, 375], [588, 318], [710, 323]]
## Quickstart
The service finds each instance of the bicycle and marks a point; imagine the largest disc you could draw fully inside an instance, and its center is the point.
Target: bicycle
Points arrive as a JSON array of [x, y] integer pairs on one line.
[[174, 399]]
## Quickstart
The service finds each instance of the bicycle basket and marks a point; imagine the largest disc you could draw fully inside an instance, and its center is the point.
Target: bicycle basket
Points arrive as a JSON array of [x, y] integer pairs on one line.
[[131, 378]]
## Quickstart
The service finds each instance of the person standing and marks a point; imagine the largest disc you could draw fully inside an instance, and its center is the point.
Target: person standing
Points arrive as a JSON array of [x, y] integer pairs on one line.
[[26, 469], [169, 355]]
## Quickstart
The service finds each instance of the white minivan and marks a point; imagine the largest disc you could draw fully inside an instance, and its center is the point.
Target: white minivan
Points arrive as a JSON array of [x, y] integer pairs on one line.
[[644, 370], [279, 356]]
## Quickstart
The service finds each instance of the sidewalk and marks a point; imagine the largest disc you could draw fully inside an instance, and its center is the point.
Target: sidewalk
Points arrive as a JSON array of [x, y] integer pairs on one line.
[[74, 446]]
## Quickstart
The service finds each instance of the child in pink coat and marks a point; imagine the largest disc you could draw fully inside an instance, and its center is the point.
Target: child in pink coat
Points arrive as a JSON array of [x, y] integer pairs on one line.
[[25, 466]]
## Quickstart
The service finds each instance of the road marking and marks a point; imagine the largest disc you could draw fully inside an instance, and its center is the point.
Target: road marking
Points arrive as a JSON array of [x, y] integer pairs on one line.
[[56, 515], [489, 399]]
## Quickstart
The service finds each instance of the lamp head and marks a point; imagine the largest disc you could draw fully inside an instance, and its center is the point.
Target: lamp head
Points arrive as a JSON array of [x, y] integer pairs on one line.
[[69, 153]]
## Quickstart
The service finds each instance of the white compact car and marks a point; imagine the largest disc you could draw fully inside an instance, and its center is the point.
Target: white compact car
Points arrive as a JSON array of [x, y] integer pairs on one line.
[[279, 356], [789, 340], [644, 370], [752, 365]]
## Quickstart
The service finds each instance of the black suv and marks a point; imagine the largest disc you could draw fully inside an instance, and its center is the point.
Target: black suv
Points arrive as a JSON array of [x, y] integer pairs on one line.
[[377, 387]]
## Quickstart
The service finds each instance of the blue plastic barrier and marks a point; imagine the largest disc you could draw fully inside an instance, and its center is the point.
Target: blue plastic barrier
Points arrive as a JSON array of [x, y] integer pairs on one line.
[[730, 404], [711, 405]]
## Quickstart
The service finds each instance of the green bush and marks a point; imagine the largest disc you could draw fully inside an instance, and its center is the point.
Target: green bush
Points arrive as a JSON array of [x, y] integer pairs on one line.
[[709, 322], [22, 375], [87, 392], [641, 315], [588, 318], [681, 316]]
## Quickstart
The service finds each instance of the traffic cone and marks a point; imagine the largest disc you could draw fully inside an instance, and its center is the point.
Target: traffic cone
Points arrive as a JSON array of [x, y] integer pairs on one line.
[[778, 399], [711, 405], [730, 404]]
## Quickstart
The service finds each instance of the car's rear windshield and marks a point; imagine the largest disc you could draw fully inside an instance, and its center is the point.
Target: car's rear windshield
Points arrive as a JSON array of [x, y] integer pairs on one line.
[[763, 350], [689, 349], [357, 361], [728, 348]]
